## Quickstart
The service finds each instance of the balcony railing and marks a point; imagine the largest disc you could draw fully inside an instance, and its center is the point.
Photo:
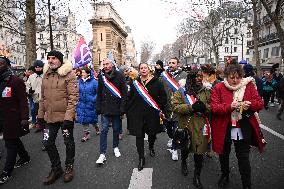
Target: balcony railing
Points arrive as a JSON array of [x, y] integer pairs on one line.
[[271, 38]]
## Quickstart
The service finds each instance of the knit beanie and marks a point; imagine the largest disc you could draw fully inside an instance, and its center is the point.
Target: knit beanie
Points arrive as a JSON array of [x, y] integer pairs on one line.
[[248, 69], [159, 62], [57, 54], [38, 63]]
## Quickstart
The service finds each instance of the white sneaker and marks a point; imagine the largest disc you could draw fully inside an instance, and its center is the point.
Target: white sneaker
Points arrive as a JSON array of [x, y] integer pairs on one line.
[[101, 159], [174, 155], [272, 105], [170, 142], [116, 152]]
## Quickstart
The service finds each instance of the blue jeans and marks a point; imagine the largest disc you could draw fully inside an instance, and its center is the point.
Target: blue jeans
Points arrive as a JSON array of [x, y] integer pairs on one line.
[[115, 119], [171, 127], [34, 109]]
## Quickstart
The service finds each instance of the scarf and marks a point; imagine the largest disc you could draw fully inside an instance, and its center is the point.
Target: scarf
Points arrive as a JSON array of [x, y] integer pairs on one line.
[[238, 95]]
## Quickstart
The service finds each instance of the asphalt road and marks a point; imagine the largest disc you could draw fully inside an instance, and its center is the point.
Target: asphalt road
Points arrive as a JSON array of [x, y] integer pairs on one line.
[[160, 173]]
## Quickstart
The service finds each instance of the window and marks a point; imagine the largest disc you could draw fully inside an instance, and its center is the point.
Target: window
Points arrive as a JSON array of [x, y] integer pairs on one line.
[[236, 31], [42, 56], [247, 53], [268, 30], [275, 51], [41, 36], [227, 40], [226, 49], [235, 49], [236, 41], [101, 36], [265, 53]]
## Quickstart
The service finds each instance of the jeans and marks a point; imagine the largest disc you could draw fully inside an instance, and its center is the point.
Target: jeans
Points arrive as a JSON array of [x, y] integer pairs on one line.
[[104, 131], [50, 134], [34, 109], [14, 147], [171, 127]]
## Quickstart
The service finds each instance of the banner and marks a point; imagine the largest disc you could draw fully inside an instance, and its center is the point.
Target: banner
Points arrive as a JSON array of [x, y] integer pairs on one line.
[[82, 54]]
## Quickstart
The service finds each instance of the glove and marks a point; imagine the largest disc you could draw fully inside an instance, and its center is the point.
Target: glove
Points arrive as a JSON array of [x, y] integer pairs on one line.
[[41, 122], [199, 106], [31, 91], [67, 124], [24, 127]]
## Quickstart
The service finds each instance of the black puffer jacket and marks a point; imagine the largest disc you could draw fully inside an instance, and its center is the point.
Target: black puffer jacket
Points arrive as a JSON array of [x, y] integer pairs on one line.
[[107, 103]]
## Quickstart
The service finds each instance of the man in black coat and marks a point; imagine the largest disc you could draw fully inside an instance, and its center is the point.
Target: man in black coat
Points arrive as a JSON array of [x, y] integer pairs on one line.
[[280, 91], [14, 115], [111, 102]]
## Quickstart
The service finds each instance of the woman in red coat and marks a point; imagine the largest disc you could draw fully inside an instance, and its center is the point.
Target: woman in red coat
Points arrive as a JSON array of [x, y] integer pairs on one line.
[[233, 105]]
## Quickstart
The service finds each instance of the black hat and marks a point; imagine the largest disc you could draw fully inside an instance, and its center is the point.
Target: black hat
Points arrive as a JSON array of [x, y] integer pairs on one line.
[[248, 68], [38, 63], [160, 62], [57, 54], [4, 59]]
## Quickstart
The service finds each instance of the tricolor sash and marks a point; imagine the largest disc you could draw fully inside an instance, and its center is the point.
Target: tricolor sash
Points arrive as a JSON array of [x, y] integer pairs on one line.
[[189, 99], [145, 95], [111, 87], [170, 81]]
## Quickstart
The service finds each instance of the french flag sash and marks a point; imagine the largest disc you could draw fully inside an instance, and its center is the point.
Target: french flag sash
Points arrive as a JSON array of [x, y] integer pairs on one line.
[[111, 87], [170, 81], [145, 95], [189, 99]]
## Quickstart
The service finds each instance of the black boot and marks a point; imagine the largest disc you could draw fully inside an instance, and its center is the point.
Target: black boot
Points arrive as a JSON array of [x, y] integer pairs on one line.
[[141, 163], [196, 179], [184, 169], [223, 181]]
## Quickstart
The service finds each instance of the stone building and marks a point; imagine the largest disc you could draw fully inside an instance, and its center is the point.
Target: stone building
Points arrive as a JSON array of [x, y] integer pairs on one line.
[[109, 34]]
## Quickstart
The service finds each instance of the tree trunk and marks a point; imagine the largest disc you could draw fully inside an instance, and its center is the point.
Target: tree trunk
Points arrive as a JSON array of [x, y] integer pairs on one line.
[[215, 49], [30, 25], [255, 38]]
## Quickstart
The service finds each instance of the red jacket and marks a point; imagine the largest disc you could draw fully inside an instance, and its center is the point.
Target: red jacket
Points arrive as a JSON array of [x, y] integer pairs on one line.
[[221, 99]]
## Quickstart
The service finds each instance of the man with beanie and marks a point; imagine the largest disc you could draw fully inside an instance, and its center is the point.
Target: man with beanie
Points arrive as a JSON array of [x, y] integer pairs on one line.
[[59, 96], [33, 86], [14, 115], [111, 102], [159, 68], [249, 72]]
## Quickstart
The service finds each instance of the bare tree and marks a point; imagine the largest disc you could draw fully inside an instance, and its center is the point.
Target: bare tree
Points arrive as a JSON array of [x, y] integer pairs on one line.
[[147, 49], [276, 17]]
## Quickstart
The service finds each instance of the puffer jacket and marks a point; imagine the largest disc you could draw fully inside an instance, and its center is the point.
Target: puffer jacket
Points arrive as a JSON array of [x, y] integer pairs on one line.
[[188, 119], [59, 92], [86, 107]]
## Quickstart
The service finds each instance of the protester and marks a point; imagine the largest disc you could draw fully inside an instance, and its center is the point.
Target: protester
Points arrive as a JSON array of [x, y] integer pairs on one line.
[[269, 85], [33, 87], [193, 115], [159, 68], [280, 93], [171, 78], [141, 117], [111, 102], [86, 107], [234, 103], [57, 111], [14, 116]]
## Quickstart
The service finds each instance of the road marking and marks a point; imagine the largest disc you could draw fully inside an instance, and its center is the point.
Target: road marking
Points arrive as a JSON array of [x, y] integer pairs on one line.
[[146, 137], [271, 131], [141, 179]]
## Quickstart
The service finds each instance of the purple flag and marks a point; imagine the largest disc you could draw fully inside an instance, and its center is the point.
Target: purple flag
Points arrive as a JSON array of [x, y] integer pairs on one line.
[[82, 54]]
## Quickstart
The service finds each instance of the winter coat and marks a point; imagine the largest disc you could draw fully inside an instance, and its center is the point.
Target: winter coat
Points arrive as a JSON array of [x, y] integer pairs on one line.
[[188, 119], [34, 82], [140, 114], [14, 108], [269, 86], [108, 103], [221, 99], [86, 107], [59, 92], [280, 88], [180, 75]]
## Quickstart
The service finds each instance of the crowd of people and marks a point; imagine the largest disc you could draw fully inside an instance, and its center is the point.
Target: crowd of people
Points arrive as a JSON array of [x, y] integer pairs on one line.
[[202, 109]]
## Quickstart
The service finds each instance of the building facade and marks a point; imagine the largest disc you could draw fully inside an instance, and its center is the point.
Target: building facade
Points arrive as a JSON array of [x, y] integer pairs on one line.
[[269, 43]]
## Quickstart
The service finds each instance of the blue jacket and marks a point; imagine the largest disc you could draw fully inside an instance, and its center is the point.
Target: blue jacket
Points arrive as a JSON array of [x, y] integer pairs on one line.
[[86, 107]]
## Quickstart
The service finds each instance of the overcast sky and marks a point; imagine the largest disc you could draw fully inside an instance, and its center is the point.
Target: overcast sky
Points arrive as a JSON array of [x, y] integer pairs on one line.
[[154, 20]]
